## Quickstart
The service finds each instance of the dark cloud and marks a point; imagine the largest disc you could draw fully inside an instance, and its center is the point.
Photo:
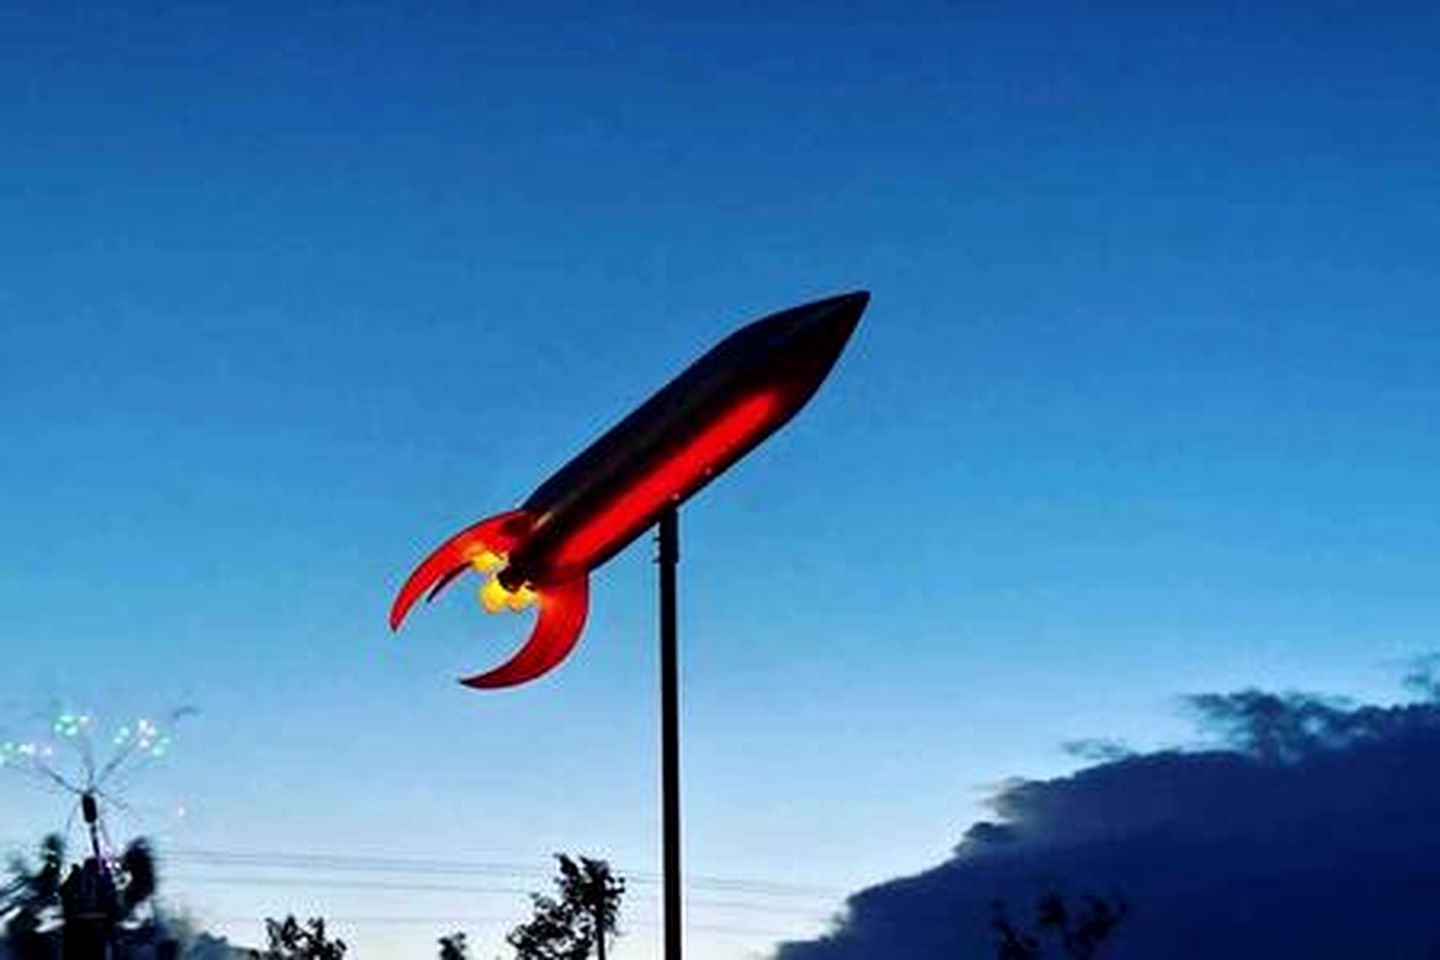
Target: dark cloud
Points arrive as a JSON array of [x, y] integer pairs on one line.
[[1311, 830], [1096, 749], [1424, 677]]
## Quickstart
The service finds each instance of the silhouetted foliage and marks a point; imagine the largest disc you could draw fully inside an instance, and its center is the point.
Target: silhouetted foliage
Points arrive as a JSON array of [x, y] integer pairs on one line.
[[582, 919], [1080, 932], [137, 871], [289, 940], [30, 902], [82, 912], [454, 947], [100, 904]]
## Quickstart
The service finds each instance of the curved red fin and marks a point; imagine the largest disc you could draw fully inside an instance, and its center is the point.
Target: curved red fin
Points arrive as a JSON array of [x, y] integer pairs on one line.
[[561, 616], [497, 534], [444, 582]]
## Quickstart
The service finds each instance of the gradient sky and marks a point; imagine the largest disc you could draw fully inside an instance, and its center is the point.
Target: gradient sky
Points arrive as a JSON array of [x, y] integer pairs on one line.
[[1144, 405]]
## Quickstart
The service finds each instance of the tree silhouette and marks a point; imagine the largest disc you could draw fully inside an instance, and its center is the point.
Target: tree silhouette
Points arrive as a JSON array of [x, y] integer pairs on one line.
[[30, 902], [582, 918], [291, 941], [1080, 932], [85, 912], [100, 903], [454, 947], [137, 873]]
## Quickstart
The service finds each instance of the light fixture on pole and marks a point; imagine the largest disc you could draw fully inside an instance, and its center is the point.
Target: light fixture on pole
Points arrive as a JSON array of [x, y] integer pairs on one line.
[[633, 477]]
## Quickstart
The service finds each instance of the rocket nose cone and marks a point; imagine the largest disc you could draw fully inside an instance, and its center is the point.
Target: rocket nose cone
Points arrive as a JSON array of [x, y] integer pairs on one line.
[[845, 304], [831, 321], [803, 341], [848, 308]]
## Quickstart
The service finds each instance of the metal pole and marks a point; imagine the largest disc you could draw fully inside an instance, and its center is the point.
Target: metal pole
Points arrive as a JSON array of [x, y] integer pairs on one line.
[[668, 535]]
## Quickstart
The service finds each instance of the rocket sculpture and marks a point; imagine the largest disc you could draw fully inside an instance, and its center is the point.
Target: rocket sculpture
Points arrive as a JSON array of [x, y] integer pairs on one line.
[[711, 415]]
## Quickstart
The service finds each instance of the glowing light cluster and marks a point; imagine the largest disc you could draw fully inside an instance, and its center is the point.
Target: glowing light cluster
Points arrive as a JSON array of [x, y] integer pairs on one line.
[[76, 735], [71, 725], [15, 753], [495, 598], [144, 736], [488, 561], [89, 763]]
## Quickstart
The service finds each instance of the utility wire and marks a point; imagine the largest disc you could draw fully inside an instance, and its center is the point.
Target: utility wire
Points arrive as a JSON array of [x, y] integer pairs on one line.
[[373, 864], [398, 886], [481, 921]]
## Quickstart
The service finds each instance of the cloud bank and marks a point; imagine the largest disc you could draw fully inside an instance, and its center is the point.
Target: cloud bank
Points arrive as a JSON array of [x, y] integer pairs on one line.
[[1312, 831]]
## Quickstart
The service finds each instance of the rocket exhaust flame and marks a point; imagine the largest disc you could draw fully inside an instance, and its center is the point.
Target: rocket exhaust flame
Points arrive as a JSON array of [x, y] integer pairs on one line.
[[486, 548], [494, 597], [491, 537], [561, 617]]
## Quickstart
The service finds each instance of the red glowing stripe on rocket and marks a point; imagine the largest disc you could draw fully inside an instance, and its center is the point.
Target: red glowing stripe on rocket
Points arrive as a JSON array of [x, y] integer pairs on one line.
[[674, 479]]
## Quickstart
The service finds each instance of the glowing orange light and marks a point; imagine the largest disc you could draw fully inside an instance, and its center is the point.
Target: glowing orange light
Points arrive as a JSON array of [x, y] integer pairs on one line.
[[522, 599], [494, 597], [561, 617], [674, 478], [487, 561], [493, 535]]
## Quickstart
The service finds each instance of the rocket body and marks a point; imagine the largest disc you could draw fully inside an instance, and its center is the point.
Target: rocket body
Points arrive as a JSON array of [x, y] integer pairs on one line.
[[717, 410], [712, 414]]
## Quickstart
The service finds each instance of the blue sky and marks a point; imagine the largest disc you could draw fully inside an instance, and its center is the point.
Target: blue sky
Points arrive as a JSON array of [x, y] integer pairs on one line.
[[1143, 405]]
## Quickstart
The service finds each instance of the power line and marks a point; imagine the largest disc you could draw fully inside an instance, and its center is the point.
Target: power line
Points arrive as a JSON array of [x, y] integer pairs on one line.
[[397, 886], [348, 863], [355, 867], [377, 864], [477, 921], [349, 884]]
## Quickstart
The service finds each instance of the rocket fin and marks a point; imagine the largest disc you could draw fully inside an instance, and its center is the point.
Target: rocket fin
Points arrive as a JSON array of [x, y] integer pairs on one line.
[[497, 534], [561, 616]]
